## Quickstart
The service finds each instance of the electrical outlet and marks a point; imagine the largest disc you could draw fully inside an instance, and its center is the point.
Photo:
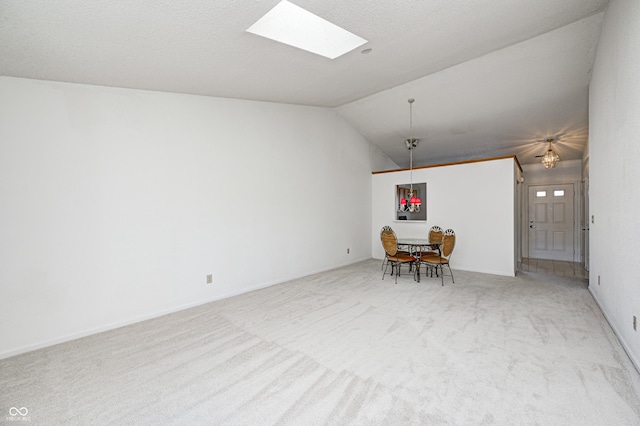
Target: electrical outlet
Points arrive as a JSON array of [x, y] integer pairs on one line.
[[347, 251], [635, 323], [593, 219], [210, 279], [598, 279]]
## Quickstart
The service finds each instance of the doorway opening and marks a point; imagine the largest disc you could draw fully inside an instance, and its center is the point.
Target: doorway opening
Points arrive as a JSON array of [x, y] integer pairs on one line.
[[558, 268]]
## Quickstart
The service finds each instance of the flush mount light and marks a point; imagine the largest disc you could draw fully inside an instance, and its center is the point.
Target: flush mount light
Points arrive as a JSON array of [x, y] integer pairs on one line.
[[292, 25]]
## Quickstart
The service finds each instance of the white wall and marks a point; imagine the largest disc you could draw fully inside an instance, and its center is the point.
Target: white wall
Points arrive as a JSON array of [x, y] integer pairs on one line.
[[115, 204], [476, 200], [614, 175], [566, 171], [380, 160]]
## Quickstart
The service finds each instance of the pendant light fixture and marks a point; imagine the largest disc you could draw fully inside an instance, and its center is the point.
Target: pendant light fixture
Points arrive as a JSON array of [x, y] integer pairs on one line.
[[414, 203], [550, 158]]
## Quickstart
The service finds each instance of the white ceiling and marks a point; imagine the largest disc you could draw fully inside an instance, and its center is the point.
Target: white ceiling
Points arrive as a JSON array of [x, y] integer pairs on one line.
[[490, 77]]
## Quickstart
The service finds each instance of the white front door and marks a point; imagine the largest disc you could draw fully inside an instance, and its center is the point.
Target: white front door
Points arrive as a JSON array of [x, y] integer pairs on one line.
[[551, 222]]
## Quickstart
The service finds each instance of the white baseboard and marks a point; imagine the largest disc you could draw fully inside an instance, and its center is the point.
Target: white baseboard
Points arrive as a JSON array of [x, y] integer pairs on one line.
[[623, 343], [73, 336]]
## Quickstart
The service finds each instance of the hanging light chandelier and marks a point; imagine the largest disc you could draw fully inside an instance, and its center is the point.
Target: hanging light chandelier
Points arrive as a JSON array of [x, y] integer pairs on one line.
[[550, 158], [414, 203]]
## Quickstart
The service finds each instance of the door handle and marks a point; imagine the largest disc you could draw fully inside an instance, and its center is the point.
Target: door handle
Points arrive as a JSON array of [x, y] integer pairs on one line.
[[532, 226]]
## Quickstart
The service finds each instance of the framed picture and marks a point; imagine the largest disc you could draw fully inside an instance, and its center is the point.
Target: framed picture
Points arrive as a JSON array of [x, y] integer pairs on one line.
[[411, 202]]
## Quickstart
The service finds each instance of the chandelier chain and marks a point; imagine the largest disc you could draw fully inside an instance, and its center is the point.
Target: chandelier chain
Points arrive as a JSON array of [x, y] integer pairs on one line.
[[411, 100]]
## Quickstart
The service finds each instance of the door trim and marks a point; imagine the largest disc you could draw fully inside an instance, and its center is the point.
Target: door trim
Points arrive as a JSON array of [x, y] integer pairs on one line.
[[524, 229]]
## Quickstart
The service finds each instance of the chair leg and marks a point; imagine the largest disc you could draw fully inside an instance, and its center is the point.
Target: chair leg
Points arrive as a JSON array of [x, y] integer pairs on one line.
[[441, 274], [416, 274], [385, 270], [397, 273], [452, 280]]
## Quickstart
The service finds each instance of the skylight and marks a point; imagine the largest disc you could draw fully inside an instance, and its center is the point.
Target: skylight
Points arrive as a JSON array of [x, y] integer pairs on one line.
[[292, 25]]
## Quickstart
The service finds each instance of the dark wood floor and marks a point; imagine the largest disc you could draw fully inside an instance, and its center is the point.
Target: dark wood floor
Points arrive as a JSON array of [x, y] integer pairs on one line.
[[553, 267]]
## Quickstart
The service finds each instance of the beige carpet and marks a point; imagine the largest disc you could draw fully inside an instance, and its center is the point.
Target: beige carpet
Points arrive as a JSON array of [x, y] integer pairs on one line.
[[345, 347]]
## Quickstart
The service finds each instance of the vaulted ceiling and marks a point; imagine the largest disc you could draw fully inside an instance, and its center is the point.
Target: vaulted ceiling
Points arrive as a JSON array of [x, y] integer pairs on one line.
[[489, 77]]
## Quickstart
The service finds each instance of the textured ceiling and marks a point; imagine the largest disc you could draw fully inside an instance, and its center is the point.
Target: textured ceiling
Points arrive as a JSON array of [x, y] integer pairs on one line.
[[489, 77]]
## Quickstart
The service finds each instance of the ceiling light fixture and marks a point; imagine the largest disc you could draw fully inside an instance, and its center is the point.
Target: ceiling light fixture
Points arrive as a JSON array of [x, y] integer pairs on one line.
[[414, 202], [550, 158], [290, 24]]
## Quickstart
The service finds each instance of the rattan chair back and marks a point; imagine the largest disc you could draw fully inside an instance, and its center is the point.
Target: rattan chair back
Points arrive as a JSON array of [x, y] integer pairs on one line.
[[435, 234], [389, 241], [448, 242]]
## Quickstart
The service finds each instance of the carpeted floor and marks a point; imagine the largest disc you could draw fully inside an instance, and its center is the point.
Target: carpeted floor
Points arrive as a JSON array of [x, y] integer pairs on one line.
[[344, 347]]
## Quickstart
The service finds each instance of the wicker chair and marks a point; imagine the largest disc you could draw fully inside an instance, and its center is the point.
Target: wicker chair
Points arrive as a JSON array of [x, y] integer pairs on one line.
[[438, 262], [393, 256], [388, 229], [435, 236]]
